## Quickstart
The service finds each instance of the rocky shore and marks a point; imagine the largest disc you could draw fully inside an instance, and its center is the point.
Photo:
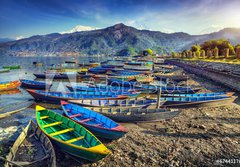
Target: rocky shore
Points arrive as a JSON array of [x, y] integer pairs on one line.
[[198, 137]]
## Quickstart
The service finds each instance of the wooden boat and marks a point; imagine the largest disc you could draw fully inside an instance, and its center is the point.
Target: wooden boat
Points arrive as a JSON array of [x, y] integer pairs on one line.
[[56, 97], [100, 88], [70, 136], [126, 103], [94, 64], [31, 141], [12, 67], [187, 102], [117, 69], [10, 92], [139, 63], [94, 91], [99, 70], [9, 85], [176, 78], [4, 70], [211, 94], [118, 82], [169, 89], [34, 84], [14, 108], [136, 114], [126, 73], [98, 124], [144, 79], [57, 75], [137, 68]]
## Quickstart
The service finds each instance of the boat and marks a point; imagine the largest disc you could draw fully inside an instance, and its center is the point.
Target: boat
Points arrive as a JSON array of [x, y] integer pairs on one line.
[[136, 114], [32, 141], [118, 82], [145, 79], [14, 108], [188, 102], [93, 91], [99, 70], [94, 64], [176, 78], [98, 124], [53, 75], [70, 136], [4, 86], [137, 68], [12, 67], [34, 84], [165, 89], [126, 73], [10, 92], [101, 88], [4, 70], [139, 63], [56, 97], [126, 103], [210, 94]]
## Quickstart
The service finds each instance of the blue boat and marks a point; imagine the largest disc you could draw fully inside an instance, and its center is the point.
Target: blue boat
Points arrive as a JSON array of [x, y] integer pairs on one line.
[[98, 91], [34, 84], [98, 124], [118, 82], [56, 75], [56, 97], [186, 102], [126, 103], [126, 73], [99, 70], [165, 89], [211, 94]]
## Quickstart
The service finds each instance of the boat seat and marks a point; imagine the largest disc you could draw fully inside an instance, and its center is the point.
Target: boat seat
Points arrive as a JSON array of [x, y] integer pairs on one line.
[[44, 117], [61, 132], [75, 139], [86, 120], [67, 110], [52, 124], [75, 115]]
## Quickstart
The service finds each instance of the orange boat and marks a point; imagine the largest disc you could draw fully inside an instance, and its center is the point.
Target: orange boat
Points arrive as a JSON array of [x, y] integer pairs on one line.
[[10, 92], [9, 85]]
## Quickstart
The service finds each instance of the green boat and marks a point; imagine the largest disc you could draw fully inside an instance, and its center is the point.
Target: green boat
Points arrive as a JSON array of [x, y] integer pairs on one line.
[[12, 67], [4, 70], [70, 136]]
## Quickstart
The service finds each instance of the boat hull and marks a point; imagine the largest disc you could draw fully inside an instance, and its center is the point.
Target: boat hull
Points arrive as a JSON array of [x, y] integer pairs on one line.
[[210, 103], [147, 117], [57, 100]]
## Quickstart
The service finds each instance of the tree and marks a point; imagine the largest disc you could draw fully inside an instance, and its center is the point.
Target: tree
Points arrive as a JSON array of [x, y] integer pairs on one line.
[[147, 52], [195, 48]]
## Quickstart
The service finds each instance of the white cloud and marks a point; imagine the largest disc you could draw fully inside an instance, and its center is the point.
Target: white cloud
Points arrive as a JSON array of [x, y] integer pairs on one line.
[[78, 28], [19, 37]]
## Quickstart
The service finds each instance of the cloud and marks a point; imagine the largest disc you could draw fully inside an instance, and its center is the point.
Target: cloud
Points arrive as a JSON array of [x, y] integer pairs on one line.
[[78, 28], [19, 37]]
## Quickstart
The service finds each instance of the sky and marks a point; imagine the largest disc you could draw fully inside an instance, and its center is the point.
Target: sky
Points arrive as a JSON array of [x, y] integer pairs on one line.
[[24, 18]]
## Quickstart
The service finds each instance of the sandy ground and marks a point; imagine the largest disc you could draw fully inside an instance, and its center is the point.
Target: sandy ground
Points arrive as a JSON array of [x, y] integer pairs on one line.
[[197, 137]]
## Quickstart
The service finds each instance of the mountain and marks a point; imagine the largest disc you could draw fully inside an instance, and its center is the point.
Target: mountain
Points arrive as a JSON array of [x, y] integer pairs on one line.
[[110, 40], [5, 40]]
